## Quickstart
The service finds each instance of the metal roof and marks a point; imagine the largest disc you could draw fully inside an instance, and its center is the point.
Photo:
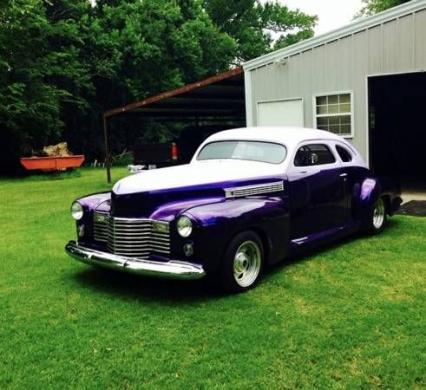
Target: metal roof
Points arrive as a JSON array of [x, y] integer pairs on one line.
[[353, 28], [221, 96]]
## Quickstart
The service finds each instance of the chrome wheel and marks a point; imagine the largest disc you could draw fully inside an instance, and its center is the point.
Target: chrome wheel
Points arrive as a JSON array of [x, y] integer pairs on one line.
[[379, 214], [247, 263]]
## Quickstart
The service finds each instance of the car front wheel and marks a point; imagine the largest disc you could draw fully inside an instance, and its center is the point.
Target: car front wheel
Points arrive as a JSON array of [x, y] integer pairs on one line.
[[242, 263]]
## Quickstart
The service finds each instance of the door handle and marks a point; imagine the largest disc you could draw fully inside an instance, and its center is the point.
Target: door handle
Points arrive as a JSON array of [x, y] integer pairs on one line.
[[343, 175]]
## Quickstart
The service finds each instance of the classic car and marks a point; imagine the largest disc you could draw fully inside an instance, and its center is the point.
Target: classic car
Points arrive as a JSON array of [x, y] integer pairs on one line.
[[248, 199]]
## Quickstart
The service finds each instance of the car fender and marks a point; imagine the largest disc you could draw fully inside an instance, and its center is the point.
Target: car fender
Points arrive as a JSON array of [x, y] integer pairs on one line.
[[365, 195], [101, 202], [370, 191], [218, 223], [98, 201]]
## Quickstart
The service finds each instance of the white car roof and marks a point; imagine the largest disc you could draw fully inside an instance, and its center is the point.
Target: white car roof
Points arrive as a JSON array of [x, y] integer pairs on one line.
[[289, 136]]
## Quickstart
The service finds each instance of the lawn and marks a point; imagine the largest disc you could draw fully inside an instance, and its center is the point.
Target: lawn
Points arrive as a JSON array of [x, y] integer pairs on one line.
[[352, 315]]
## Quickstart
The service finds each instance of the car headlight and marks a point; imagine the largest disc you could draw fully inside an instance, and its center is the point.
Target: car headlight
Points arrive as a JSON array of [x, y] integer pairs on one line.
[[184, 226], [77, 211]]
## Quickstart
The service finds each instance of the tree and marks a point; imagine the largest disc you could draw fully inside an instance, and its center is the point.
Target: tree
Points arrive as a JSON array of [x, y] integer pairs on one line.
[[64, 62], [259, 27], [156, 46], [375, 6], [39, 72]]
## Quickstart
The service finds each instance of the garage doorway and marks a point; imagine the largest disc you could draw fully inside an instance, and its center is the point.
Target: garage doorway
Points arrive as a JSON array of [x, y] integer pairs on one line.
[[397, 128], [280, 113]]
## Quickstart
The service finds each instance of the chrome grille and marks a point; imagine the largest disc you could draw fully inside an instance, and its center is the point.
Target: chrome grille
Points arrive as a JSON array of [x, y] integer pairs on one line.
[[238, 192], [100, 226], [133, 237]]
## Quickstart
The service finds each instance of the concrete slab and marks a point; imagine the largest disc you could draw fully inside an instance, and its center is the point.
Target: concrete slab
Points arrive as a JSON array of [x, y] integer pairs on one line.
[[408, 196]]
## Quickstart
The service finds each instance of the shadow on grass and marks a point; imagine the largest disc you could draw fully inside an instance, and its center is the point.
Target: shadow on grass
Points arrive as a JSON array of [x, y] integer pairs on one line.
[[309, 254], [169, 292], [139, 287]]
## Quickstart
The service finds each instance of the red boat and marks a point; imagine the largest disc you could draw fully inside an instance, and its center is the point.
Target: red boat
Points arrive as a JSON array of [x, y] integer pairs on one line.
[[48, 164]]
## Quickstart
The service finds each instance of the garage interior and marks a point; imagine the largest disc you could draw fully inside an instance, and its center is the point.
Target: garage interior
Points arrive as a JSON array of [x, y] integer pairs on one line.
[[397, 128]]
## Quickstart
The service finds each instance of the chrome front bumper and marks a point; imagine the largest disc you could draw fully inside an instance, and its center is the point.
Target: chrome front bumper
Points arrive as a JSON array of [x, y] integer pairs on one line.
[[172, 269]]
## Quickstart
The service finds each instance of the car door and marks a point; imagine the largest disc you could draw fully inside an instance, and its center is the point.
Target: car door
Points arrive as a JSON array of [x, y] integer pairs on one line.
[[318, 200], [350, 174]]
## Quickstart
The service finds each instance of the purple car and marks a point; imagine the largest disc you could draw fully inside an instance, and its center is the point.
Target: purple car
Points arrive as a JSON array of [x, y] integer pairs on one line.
[[249, 198]]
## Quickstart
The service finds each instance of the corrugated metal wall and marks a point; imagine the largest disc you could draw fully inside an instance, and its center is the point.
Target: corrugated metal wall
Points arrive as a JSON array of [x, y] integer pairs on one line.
[[398, 46]]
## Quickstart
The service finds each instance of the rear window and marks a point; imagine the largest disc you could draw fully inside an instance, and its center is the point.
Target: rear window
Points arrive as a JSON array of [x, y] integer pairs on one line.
[[244, 150]]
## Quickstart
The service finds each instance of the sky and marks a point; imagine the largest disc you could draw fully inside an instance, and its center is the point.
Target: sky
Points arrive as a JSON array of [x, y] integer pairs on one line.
[[332, 14]]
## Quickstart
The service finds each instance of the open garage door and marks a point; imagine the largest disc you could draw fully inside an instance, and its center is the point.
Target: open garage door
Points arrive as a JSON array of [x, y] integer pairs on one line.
[[397, 116], [280, 113]]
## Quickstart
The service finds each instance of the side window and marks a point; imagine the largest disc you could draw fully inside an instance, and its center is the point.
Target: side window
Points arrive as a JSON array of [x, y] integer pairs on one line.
[[313, 154], [344, 153]]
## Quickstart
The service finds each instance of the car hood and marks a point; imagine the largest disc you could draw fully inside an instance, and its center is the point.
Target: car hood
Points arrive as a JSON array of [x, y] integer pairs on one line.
[[202, 173]]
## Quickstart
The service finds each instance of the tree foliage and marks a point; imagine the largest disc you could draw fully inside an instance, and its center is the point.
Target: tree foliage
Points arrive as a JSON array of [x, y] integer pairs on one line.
[[259, 27], [375, 6], [41, 72], [64, 62]]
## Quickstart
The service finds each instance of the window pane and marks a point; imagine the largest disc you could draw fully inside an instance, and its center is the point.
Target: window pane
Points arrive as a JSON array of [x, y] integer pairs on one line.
[[322, 110], [244, 150], [313, 154], [345, 120], [333, 109], [322, 121], [217, 150], [334, 120], [334, 129], [344, 154], [345, 98], [346, 130], [333, 99], [346, 107], [321, 100]]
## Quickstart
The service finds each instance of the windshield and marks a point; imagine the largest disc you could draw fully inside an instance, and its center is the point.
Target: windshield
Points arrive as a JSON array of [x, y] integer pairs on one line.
[[244, 150]]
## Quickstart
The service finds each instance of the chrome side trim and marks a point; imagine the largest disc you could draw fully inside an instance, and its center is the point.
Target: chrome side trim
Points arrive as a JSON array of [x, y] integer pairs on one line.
[[172, 269], [258, 189]]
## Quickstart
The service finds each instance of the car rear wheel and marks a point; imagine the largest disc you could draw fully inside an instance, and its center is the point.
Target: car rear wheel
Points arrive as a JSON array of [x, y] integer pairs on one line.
[[377, 217], [242, 263]]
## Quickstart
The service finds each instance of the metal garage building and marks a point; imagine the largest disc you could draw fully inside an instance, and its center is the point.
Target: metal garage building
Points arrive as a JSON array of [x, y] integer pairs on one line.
[[366, 81]]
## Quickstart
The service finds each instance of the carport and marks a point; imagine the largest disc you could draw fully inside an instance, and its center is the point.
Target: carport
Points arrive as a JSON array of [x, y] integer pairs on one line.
[[217, 99], [397, 130]]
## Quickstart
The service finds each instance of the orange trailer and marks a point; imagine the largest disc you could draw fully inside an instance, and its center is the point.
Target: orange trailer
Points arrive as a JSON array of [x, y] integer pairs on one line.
[[48, 164]]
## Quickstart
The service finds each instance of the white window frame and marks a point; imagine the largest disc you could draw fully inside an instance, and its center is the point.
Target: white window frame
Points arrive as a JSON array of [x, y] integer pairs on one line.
[[315, 115]]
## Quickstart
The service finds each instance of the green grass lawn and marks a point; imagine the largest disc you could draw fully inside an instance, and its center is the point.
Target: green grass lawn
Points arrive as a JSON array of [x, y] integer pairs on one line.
[[352, 315]]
